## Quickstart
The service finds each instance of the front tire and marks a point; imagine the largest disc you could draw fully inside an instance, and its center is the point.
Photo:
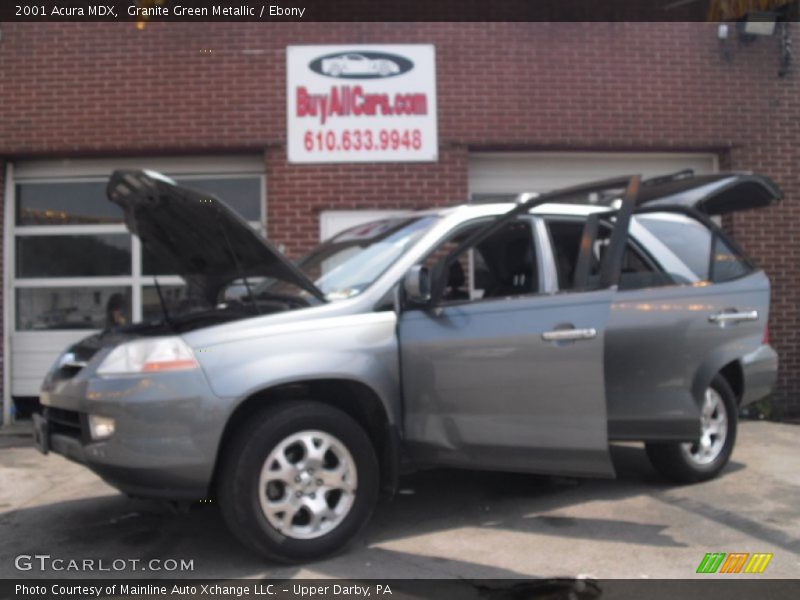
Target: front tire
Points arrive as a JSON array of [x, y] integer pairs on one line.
[[299, 481], [704, 459]]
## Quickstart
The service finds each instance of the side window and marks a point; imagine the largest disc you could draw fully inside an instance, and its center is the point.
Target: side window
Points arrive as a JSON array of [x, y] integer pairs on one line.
[[727, 264], [704, 254], [688, 239], [638, 269], [502, 265]]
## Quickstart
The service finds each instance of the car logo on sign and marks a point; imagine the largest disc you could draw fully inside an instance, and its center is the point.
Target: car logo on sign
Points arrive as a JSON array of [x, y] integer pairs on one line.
[[361, 65]]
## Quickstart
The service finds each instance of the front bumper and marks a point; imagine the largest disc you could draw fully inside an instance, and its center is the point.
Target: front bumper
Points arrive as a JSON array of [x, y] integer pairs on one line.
[[760, 373], [168, 428]]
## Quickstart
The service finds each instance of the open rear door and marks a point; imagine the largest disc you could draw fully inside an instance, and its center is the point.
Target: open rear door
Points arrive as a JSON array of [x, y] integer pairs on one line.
[[710, 313]]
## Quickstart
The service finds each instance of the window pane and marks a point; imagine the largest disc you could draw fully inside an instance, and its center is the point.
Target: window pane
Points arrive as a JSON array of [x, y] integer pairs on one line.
[[352, 260], [727, 263], [459, 281], [565, 239], [637, 270], [174, 298], [153, 264], [72, 308], [65, 204], [242, 194], [504, 264], [73, 255], [687, 238]]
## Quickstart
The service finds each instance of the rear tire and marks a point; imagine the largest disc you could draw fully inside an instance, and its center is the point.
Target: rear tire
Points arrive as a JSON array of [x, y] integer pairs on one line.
[[298, 482], [704, 459]]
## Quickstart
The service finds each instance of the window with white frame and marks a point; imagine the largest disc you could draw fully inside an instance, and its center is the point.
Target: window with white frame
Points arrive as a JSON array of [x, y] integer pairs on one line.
[[75, 265]]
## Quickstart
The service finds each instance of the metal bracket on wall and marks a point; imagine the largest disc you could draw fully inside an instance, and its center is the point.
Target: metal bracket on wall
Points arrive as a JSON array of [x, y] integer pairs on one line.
[[786, 48]]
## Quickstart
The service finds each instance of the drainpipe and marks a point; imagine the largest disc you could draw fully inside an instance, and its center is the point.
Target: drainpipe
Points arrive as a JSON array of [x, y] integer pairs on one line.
[[7, 294]]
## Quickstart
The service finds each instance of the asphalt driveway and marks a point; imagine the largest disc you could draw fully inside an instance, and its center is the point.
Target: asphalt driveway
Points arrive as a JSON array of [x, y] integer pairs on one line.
[[443, 524]]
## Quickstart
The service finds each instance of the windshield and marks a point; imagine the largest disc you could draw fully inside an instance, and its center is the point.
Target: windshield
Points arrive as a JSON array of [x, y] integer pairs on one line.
[[351, 261]]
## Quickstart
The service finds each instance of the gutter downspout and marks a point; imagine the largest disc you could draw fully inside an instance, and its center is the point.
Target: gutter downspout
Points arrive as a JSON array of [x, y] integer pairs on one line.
[[7, 293]]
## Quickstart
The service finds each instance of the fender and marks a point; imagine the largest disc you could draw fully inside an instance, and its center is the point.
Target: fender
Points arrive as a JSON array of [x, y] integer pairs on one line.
[[361, 348], [714, 363]]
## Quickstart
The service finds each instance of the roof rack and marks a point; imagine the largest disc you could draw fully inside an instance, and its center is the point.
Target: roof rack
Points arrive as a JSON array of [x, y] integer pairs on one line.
[[683, 174], [525, 196]]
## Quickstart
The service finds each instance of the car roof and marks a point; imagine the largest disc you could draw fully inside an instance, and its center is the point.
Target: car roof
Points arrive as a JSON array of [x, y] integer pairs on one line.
[[499, 208]]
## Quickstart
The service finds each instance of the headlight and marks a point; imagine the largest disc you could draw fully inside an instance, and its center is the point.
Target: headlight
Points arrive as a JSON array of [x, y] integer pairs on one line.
[[101, 427], [147, 356]]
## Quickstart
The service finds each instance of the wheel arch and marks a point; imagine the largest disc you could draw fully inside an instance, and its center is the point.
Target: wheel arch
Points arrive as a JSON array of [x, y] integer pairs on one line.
[[734, 375], [726, 361], [355, 398]]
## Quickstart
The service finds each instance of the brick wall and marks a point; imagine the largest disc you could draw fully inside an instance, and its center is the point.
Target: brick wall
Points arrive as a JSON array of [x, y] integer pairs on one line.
[[298, 193], [92, 89]]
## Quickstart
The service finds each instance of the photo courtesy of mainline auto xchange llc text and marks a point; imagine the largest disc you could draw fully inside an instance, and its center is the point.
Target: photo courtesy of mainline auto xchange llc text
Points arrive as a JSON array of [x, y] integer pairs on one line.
[[400, 300], [204, 589]]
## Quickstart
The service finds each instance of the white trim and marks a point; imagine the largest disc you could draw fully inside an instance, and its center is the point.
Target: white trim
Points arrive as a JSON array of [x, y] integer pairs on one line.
[[136, 273], [70, 229], [8, 294], [74, 169], [590, 155], [67, 282], [147, 280], [264, 199]]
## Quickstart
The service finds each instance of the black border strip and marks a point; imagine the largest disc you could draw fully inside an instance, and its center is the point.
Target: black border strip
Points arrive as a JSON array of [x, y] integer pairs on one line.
[[702, 588], [363, 10]]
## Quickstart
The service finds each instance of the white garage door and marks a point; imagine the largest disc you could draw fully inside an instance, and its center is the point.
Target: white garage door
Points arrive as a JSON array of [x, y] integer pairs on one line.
[[493, 174], [72, 266]]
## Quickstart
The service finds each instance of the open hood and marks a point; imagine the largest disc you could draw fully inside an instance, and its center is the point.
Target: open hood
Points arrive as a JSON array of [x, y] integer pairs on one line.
[[202, 238], [715, 194]]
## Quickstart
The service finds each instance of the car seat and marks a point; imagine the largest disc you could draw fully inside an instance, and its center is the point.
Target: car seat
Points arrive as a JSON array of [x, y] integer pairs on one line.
[[516, 273], [455, 283]]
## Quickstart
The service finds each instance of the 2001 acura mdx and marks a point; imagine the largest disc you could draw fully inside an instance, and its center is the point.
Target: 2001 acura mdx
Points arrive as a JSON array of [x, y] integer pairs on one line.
[[511, 336]]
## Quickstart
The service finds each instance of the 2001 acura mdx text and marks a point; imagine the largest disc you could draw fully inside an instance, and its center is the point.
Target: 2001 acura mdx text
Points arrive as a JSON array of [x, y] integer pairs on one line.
[[521, 337]]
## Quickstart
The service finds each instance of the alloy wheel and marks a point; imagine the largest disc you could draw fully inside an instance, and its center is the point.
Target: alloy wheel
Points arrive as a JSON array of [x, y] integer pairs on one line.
[[713, 431], [307, 484]]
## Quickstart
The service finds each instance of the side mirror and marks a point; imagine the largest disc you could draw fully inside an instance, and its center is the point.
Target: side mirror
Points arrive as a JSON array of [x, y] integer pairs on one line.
[[417, 285]]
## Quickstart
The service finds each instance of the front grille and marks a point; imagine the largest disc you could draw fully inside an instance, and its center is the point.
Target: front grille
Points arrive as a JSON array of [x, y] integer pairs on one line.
[[64, 422]]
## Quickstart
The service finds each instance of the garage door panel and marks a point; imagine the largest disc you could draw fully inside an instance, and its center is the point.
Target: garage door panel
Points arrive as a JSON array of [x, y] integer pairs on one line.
[[512, 173]]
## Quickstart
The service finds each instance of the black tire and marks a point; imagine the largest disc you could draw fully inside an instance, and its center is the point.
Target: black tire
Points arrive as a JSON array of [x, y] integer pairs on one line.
[[241, 466], [672, 462]]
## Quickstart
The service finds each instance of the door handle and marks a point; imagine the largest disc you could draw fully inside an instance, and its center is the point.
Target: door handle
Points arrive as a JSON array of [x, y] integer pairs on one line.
[[733, 317], [565, 335]]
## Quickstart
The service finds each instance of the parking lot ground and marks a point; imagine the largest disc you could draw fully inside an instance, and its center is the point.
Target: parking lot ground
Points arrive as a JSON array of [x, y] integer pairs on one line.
[[442, 524]]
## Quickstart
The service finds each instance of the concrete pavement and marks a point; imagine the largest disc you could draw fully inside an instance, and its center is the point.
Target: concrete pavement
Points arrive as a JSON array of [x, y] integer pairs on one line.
[[443, 524]]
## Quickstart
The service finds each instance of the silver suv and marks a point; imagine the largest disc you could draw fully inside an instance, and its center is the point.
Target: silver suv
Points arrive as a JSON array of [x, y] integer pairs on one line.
[[512, 336]]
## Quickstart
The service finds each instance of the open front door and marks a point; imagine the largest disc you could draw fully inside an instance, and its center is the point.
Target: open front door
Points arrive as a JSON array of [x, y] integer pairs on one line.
[[497, 374]]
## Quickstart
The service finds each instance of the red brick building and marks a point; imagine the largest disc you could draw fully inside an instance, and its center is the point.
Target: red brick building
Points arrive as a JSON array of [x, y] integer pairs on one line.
[[530, 105]]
